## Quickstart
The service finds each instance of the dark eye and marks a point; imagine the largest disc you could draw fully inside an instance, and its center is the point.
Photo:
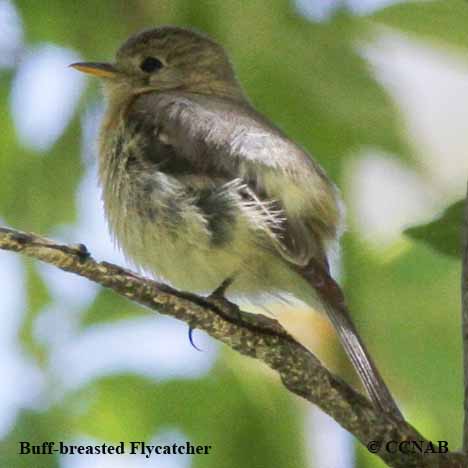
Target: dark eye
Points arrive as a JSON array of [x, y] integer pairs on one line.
[[151, 64]]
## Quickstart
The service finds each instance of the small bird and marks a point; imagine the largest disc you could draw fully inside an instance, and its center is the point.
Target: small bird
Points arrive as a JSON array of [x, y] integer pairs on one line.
[[202, 190]]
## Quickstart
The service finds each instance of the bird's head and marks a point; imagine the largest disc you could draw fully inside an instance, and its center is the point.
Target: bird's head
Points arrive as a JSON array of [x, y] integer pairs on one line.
[[166, 58]]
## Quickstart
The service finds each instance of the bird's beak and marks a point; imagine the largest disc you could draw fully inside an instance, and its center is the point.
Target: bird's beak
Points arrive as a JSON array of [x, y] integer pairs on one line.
[[99, 69]]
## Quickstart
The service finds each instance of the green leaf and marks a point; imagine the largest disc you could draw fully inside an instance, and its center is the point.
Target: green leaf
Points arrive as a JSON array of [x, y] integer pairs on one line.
[[444, 20], [444, 233]]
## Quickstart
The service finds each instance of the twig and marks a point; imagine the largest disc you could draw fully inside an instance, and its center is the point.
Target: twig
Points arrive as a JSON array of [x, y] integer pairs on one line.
[[255, 336]]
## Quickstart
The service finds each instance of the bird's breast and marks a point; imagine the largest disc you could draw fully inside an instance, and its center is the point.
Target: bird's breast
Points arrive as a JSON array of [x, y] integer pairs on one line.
[[181, 226]]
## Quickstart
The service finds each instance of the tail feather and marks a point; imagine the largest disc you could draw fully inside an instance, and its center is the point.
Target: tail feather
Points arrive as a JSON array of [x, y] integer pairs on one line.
[[332, 296]]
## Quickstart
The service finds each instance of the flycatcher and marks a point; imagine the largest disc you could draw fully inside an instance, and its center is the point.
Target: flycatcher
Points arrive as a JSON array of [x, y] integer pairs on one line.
[[202, 190]]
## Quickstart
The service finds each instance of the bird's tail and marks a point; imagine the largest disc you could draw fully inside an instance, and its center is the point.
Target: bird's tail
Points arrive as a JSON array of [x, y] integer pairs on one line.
[[332, 298]]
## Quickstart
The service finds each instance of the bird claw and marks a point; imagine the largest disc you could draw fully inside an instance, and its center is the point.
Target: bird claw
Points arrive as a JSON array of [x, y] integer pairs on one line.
[[190, 335]]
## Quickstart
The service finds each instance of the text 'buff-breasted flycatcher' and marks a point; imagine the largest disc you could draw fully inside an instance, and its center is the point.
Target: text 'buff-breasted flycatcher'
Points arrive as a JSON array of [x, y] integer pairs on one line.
[[201, 189]]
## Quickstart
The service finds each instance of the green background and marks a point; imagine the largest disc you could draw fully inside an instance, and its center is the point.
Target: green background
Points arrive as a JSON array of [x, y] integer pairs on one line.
[[312, 80]]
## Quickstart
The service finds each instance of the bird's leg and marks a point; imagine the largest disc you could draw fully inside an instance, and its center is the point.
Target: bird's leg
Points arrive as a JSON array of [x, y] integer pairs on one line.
[[218, 299], [219, 292]]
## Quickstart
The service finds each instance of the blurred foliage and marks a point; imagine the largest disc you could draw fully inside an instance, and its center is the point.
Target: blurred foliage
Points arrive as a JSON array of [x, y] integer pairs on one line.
[[444, 20], [33, 427], [310, 79], [46, 196], [215, 410], [39, 297], [411, 304], [444, 233]]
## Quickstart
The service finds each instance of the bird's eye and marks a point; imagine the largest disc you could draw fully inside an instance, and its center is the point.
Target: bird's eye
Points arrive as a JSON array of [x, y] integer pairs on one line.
[[151, 64]]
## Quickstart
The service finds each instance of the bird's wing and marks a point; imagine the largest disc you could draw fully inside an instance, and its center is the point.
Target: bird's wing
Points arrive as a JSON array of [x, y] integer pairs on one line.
[[217, 137]]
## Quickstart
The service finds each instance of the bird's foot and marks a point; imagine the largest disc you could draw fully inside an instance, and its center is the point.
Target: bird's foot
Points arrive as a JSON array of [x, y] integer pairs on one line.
[[220, 291], [218, 300]]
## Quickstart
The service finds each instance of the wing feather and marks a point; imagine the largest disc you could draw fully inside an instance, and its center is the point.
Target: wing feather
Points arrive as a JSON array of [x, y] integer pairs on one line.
[[215, 137]]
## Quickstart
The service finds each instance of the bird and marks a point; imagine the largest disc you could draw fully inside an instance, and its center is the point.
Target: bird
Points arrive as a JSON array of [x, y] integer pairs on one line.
[[203, 191]]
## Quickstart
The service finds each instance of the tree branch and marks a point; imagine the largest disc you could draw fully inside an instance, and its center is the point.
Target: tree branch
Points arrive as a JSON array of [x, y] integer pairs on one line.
[[464, 300], [256, 336]]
